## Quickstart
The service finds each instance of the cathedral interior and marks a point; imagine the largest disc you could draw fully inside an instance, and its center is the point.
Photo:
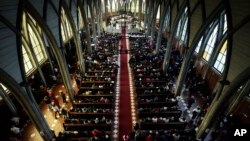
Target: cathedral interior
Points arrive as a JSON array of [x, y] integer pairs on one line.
[[124, 70]]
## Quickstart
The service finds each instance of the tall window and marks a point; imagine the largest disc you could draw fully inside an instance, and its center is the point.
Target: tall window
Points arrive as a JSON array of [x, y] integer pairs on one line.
[[135, 6], [37, 47], [143, 6], [64, 38], [66, 29], [178, 28], [221, 58], [158, 13], [210, 44], [197, 49], [80, 20], [32, 42], [225, 23], [5, 89], [184, 31], [166, 20], [111, 5], [28, 65], [182, 26]]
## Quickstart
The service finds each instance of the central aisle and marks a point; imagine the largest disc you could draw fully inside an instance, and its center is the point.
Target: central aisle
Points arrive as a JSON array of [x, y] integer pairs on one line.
[[125, 121]]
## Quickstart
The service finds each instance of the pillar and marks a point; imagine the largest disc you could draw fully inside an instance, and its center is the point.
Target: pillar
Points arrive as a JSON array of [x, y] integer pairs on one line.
[[146, 14], [91, 9], [8, 101], [106, 10], [140, 12], [86, 27], [48, 54], [29, 106], [162, 20], [153, 21], [149, 15], [79, 51], [218, 107], [63, 67], [238, 98], [169, 43], [98, 15], [111, 8]]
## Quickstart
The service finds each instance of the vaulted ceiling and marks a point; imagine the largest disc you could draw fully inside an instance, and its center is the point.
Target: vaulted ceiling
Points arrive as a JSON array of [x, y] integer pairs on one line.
[[49, 10]]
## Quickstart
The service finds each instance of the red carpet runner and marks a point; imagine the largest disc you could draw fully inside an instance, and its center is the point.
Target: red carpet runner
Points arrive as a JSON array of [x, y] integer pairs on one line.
[[125, 121]]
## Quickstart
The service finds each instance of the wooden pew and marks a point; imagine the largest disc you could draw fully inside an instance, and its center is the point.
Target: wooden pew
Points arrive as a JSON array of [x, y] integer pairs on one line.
[[164, 126], [156, 104], [167, 113], [90, 127]]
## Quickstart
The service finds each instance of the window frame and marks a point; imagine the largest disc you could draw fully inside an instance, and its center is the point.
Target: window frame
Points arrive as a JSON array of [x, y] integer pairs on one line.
[[32, 33], [207, 39], [182, 26]]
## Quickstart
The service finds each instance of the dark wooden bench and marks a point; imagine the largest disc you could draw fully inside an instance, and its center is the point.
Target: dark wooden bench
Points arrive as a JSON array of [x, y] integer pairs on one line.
[[154, 95], [156, 104], [81, 126], [164, 126], [166, 113], [89, 115]]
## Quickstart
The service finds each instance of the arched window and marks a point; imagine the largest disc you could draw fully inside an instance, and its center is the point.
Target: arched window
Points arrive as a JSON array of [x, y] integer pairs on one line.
[[182, 26], [178, 28], [221, 58], [166, 20], [80, 20], [28, 64], [197, 49], [5, 89], [184, 31], [225, 23], [64, 38], [111, 5], [158, 13], [32, 42], [66, 29], [37, 46], [143, 6], [210, 43], [135, 6]]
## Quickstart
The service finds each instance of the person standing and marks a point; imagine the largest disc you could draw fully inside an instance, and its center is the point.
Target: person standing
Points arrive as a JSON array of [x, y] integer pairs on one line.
[[63, 97]]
